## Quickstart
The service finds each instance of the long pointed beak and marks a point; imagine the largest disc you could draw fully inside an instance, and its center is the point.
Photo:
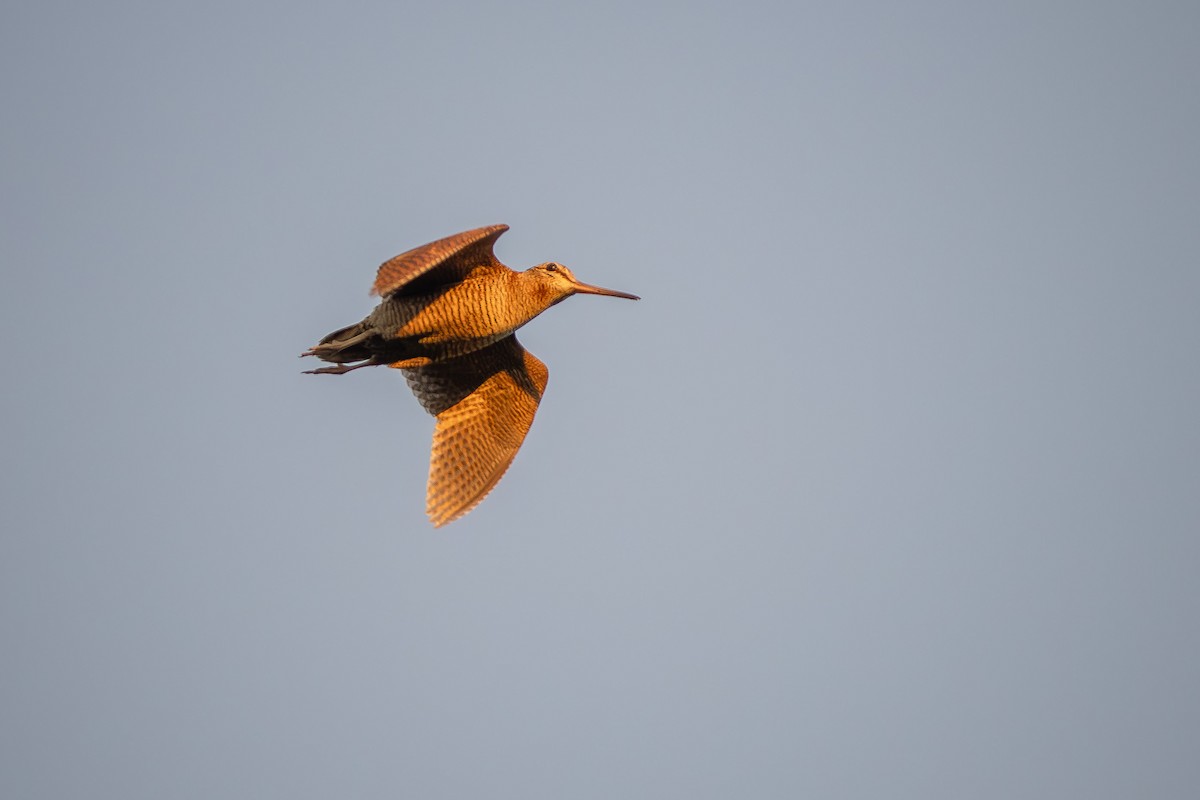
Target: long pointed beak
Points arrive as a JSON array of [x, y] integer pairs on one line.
[[587, 288]]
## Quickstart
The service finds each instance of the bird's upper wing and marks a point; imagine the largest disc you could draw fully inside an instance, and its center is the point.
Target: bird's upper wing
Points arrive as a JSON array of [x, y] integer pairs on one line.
[[445, 261], [484, 403]]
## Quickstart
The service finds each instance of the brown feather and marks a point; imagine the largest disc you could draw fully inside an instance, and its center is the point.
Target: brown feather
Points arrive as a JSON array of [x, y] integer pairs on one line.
[[445, 261], [484, 402]]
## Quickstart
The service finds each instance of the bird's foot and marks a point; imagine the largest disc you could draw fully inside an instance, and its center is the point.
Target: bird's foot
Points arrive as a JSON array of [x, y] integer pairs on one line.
[[340, 369]]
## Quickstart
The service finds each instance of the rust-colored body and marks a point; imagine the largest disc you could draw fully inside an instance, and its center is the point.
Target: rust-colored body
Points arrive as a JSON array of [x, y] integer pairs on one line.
[[446, 320]]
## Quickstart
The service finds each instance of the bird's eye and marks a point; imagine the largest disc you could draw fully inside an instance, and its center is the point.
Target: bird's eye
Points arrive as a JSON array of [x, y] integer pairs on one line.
[[552, 267]]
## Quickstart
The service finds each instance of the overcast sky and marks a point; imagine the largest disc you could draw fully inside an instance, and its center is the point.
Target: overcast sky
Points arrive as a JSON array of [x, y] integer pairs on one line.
[[888, 488]]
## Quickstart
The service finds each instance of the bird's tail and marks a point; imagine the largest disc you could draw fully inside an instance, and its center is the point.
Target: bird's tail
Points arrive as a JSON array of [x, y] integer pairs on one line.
[[344, 345]]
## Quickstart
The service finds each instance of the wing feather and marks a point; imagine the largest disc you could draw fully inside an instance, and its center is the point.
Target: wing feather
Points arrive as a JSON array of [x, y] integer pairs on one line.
[[484, 402], [447, 260]]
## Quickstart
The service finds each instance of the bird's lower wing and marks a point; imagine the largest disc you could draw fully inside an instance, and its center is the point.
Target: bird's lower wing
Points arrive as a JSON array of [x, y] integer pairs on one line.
[[485, 402]]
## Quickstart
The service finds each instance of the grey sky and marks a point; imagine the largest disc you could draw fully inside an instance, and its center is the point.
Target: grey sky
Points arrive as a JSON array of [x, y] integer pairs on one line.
[[889, 487]]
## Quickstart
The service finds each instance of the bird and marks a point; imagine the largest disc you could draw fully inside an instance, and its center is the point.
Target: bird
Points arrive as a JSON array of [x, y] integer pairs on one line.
[[447, 320]]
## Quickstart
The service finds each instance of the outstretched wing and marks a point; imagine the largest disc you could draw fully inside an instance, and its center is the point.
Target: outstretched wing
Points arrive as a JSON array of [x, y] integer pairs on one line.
[[445, 261], [484, 403]]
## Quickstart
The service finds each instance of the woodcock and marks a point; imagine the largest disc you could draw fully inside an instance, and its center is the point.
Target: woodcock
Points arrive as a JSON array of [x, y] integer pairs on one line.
[[446, 321]]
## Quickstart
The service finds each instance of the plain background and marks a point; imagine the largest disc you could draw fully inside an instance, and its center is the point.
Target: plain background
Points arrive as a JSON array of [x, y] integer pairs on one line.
[[888, 488]]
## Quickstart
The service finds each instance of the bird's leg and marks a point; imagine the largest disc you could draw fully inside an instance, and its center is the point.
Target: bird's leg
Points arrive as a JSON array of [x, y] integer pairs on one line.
[[341, 369]]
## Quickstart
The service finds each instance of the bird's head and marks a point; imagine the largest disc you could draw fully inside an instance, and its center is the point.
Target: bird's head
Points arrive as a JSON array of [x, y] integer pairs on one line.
[[558, 283]]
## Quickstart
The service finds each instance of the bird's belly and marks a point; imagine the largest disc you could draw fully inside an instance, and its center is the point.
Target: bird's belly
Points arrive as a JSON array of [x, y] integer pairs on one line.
[[403, 352]]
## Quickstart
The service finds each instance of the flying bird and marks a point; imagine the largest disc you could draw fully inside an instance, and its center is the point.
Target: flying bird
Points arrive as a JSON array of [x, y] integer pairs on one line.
[[446, 320]]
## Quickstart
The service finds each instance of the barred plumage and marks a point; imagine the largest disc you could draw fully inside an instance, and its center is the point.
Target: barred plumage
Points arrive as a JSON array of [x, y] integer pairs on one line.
[[446, 320]]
